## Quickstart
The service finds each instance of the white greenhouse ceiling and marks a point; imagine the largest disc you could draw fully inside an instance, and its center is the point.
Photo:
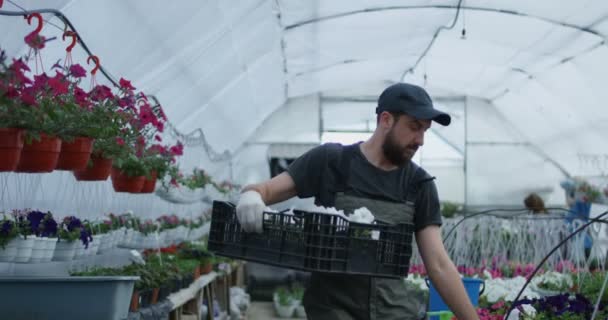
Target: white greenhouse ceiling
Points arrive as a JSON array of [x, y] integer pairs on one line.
[[523, 80]]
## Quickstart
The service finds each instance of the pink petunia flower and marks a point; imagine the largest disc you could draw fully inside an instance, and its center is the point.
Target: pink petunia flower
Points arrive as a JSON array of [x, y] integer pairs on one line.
[[77, 71], [126, 84]]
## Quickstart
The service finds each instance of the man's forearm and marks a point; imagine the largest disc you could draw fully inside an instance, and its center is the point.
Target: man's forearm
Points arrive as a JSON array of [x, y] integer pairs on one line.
[[449, 285]]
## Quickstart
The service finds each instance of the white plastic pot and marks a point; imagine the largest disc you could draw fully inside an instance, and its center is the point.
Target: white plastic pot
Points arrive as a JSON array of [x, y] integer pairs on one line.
[[65, 251], [284, 311], [24, 249], [105, 242], [9, 252], [79, 253], [51, 243], [38, 250], [300, 312], [94, 246]]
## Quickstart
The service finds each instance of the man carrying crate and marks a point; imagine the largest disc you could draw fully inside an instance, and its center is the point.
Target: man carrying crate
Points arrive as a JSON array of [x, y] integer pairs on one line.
[[377, 174]]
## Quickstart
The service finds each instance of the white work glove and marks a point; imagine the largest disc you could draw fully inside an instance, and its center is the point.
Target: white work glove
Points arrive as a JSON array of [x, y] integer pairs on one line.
[[250, 211]]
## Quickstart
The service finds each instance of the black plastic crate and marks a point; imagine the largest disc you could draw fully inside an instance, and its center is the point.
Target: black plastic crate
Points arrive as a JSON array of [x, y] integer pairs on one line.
[[311, 241]]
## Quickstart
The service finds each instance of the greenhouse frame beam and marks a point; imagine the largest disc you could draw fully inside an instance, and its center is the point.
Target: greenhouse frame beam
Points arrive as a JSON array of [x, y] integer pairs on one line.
[[448, 7]]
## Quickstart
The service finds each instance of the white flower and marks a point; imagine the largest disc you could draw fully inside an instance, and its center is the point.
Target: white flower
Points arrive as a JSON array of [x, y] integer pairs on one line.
[[507, 289], [362, 215], [528, 310], [417, 281]]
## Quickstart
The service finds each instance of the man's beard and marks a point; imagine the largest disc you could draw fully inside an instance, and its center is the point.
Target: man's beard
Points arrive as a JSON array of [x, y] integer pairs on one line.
[[396, 154]]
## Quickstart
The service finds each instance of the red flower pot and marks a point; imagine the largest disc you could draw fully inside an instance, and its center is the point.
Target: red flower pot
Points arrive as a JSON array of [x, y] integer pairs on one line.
[[40, 156], [134, 305], [11, 143], [207, 268], [75, 155], [99, 171], [197, 272], [149, 184], [155, 292], [123, 183]]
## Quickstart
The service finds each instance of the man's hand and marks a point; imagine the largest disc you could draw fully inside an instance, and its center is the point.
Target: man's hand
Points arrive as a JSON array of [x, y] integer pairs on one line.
[[250, 211]]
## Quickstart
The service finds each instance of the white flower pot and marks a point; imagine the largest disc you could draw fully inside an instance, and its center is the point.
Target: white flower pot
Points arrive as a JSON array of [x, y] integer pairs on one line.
[[105, 242], [94, 246], [38, 250], [24, 249], [9, 252], [300, 312], [79, 250], [284, 311], [64, 251], [51, 243]]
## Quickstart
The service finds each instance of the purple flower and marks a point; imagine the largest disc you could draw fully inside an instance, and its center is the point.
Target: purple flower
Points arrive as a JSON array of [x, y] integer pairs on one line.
[[35, 218], [77, 71], [6, 228], [72, 223], [49, 226], [85, 237]]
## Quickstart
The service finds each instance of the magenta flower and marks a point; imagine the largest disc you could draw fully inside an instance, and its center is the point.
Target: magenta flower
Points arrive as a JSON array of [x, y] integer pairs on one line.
[[177, 150], [59, 85], [77, 71], [35, 40], [28, 96], [81, 97], [100, 93], [125, 84]]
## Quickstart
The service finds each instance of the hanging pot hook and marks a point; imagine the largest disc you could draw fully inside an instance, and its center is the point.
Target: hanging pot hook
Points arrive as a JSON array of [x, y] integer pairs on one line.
[[73, 35], [37, 16], [96, 60]]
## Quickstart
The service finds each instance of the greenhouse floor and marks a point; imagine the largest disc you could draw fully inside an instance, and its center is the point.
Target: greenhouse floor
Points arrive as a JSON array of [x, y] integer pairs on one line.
[[259, 310]]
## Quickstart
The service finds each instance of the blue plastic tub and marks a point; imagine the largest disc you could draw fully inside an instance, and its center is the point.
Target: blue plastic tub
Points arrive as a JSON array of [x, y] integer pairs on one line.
[[473, 286], [66, 298]]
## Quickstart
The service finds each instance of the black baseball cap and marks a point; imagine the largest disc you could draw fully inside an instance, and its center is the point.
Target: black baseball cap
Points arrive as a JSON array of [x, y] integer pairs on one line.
[[411, 100]]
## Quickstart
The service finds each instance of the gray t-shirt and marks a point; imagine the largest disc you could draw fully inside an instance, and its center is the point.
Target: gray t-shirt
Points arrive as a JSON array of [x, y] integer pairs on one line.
[[317, 172]]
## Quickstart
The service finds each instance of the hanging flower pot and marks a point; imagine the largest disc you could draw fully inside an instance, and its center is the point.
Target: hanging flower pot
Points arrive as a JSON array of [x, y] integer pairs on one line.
[[75, 155], [99, 171], [149, 184], [123, 183], [40, 156], [11, 143]]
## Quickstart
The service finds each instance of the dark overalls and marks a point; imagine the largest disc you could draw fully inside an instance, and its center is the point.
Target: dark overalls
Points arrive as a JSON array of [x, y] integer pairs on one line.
[[341, 296]]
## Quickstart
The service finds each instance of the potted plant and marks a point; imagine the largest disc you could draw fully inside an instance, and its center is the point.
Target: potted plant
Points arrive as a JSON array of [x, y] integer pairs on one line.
[[283, 303], [45, 123], [297, 293], [26, 239], [48, 231], [35, 218], [107, 144], [69, 232], [8, 247], [29, 108], [12, 113], [81, 126]]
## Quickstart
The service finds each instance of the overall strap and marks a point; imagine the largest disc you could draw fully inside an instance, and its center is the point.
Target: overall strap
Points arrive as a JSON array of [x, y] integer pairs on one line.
[[414, 182], [348, 152], [336, 178]]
